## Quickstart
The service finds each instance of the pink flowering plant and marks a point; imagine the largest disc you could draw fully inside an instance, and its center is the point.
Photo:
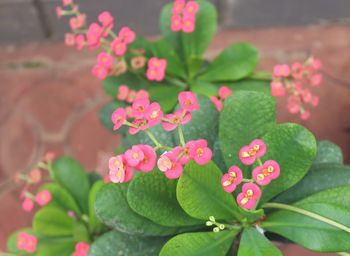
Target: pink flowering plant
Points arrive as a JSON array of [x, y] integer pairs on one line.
[[202, 182], [65, 222]]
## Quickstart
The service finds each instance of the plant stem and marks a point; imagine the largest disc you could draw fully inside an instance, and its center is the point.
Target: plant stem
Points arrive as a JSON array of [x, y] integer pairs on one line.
[[259, 161], [181, 135], [343, 253], [153, 138], [307, 213]]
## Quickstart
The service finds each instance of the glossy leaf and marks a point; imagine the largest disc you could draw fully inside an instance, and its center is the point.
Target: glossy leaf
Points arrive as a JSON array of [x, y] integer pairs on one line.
[[328, 152], [71, 175], [249, 85], [294, 148], [245, 116], [112, 83], [254, 243], [320, 177], [52, 221], [117, 243], [165, 95], [198, 244], [158, 196], [94, 223], [200, 194], [56, 246], [235, 62], [311, 233], [112, 209]]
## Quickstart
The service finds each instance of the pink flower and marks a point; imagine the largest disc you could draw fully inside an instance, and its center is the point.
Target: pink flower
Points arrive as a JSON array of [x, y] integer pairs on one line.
[[118, 118], [191, 9], [175, 168], [249, 196], [248, 154], [142, 94], [128, 110], [35, 176], [156, 69], [188, 101], [100, 72], [153, 114], [27, 205], [123, 92], [105, 60], [281, 70], [316, 79], [81, 249], [93, 35], [149, 160], [140, 125], [69, 39], [80, 41], [231, 179], [77, 22], [180, 117], [118, 47], [297, 70], [200, 152], [178, 6], [134, 156], [26, 242], [293, 104], [224, 92], [67, 2], [132, 96], [315, 101], [218, 103], [127, 35], [43, 197], [277, 89], [264, 174], [139, 108], [176, 23], [316, 63], [188, 24], [305, 115], [119, 170], [106, 19], [59, 11], [183, 153], [306, 95]]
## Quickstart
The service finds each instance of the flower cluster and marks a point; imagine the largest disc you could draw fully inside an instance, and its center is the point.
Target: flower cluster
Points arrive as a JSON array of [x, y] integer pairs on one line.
[[32, 178], [26, 242], [296, 80], [223, 94], [262, 175], [81, 249], [156, 69], [184, 16], [143, 157]]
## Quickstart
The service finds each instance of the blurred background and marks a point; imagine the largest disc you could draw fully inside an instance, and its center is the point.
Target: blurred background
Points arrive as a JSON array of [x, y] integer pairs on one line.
[[50, 102]]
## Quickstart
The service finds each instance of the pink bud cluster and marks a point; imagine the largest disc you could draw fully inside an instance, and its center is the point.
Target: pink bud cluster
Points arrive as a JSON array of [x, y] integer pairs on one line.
[[41, 198], [143, 157], [81, 249], [156, 69], [223, 94], [295, 80], [26, 242], [184, 16], [262, 175], [129, 96]]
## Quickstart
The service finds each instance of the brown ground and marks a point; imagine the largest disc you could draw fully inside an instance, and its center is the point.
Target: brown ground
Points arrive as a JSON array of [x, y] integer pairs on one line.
[[55, 106]]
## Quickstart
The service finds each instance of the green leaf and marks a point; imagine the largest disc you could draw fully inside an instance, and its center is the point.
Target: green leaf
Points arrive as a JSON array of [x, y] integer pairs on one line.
[[320, 177], [158, 196], [254, 243], [198, 244], [52, 221], [245, 117], [165, 95], [71, 175], [81, 232], [56, 246], [162, 49], [112, 209], [94, 223], [235, 62], [204, 122], [112, 83], [294, 148], [61, 198], [204, 88], [328, 152], [116, 243], [311, 233], [189, 45], [106, 114], [249, 85], [200, 194]]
